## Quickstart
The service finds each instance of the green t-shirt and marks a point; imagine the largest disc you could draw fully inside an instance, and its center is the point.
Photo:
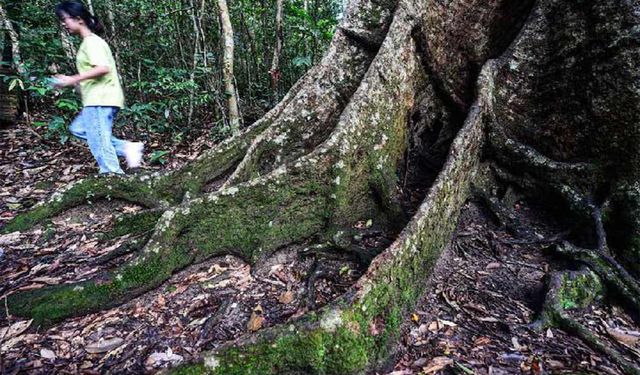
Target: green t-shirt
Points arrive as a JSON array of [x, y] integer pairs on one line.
[[101, 91]]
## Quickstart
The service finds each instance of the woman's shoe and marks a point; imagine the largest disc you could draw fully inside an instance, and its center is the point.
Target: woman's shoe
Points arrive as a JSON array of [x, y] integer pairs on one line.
[[133, 154]]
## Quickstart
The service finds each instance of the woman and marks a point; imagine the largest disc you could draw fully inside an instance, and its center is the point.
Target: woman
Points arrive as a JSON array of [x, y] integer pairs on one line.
[[99, 86]]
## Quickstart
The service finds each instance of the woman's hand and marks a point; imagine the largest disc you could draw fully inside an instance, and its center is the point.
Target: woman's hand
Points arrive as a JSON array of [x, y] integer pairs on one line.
[[65, 81], [95, 72]]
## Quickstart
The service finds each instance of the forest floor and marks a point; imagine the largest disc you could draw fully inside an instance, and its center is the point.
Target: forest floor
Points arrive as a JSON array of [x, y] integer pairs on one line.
[[475, 317]]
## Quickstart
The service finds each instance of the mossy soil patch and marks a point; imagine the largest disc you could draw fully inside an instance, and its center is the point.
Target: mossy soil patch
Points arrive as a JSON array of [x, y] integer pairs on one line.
[[485, 292]]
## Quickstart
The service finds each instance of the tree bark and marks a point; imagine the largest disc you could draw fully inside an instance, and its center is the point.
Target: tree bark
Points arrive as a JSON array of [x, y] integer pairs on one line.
[[90, 4], [68, 47]]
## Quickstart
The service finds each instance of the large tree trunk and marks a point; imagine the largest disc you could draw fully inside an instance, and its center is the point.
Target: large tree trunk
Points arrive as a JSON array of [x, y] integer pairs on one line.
[[540, 95]]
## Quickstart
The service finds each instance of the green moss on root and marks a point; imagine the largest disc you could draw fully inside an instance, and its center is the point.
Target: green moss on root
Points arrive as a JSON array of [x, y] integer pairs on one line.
[[579, 290], [342, 351], [136, 223], [133, 189], [52, 304], [251, 221]]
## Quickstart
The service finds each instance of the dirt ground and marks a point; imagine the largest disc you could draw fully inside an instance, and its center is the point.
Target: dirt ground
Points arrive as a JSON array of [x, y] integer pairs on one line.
[[474, 318]]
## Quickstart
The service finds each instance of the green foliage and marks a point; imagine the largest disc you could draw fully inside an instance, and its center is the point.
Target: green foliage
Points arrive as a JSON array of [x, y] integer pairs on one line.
[[172, 80], [56, 128], [158, 157]]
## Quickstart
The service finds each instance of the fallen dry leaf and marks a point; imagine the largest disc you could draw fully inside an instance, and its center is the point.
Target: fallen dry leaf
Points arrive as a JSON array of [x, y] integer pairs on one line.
[[415, 317], [47, 354], [555, 365], [47, 280], [38, 267], [90, 247], [130, 209], [437, 364], [160, 358], [434, 326], [256, 320], [493, 266], [447, 323], [286, 297], [6, 345], [10, 239], [489, 319], [625, 337], [516, 344], [14, 330], [161, 301], [103, 346], [482, 341], [420, 362], [549, 333]]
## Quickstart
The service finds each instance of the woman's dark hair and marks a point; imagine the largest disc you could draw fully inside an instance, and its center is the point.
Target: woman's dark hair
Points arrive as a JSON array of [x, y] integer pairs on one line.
[[77, 9]]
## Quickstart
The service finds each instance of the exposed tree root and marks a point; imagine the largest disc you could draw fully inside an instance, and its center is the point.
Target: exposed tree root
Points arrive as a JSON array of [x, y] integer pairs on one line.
[[573, 289], [518, 156], [619, 281], [345, 245], [355, 332], [135, 223], [350, 243], [505, 215], [132, 245]]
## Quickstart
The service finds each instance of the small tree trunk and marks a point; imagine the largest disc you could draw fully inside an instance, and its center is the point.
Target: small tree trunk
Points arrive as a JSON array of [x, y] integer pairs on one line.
[[275, 62], [67, 46], [11, 53], [229, 84], [112, 31], [196, 50], [90, 4]]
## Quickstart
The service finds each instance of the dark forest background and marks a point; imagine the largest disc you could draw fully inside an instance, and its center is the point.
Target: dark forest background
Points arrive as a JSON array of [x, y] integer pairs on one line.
[[169, 55]]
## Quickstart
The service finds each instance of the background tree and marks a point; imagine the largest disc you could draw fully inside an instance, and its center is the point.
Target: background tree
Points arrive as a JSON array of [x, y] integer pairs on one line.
[[229, 78], [10, 64], [277, 50]]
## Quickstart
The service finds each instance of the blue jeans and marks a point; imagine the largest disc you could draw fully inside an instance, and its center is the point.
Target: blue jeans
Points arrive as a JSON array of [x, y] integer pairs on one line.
[[93, 125]]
